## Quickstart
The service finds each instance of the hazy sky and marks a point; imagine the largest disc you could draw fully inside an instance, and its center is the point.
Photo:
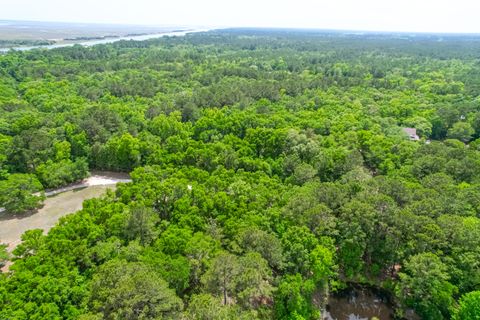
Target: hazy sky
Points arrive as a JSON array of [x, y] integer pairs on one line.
[[387, 15]]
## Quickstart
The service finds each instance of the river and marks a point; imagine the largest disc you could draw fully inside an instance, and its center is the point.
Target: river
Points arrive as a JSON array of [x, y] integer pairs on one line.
[[90, 43]]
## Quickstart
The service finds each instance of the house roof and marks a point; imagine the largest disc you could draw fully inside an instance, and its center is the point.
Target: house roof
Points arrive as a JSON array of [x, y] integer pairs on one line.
[[410, 131]]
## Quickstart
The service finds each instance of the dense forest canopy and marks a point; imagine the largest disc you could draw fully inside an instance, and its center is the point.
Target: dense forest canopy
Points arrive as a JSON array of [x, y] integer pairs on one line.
[[270, 168]]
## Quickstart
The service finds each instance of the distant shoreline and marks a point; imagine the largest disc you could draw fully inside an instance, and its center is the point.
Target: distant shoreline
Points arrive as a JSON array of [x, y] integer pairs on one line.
[[102, 40]]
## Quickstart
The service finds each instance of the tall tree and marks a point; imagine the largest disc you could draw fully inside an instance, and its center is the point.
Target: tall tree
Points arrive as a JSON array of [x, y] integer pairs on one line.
[[19, 193], [424, 285], [130, 290], [221, 277]]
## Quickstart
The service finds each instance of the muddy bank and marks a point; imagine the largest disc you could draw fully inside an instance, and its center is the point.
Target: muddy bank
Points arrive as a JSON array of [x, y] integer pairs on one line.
[[59, 203], [96, 178]]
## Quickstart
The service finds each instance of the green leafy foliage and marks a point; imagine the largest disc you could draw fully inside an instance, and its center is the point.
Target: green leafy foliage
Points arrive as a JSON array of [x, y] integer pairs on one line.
[[4, 256], [19, 193], [425, 286], [269, 169], [469, 306], [123, 290]]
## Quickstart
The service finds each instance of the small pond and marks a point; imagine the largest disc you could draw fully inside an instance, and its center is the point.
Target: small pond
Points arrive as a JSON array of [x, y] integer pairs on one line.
[[358, 304]]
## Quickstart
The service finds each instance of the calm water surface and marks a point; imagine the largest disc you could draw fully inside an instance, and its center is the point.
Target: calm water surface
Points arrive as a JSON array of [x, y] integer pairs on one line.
[[358, 304], [104, 41]]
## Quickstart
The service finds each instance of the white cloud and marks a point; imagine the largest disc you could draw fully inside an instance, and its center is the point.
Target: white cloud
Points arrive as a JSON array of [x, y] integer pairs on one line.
[[400, 15]]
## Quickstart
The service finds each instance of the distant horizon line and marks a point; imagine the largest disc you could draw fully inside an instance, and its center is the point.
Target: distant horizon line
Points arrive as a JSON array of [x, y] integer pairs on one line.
[[213, 27]]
